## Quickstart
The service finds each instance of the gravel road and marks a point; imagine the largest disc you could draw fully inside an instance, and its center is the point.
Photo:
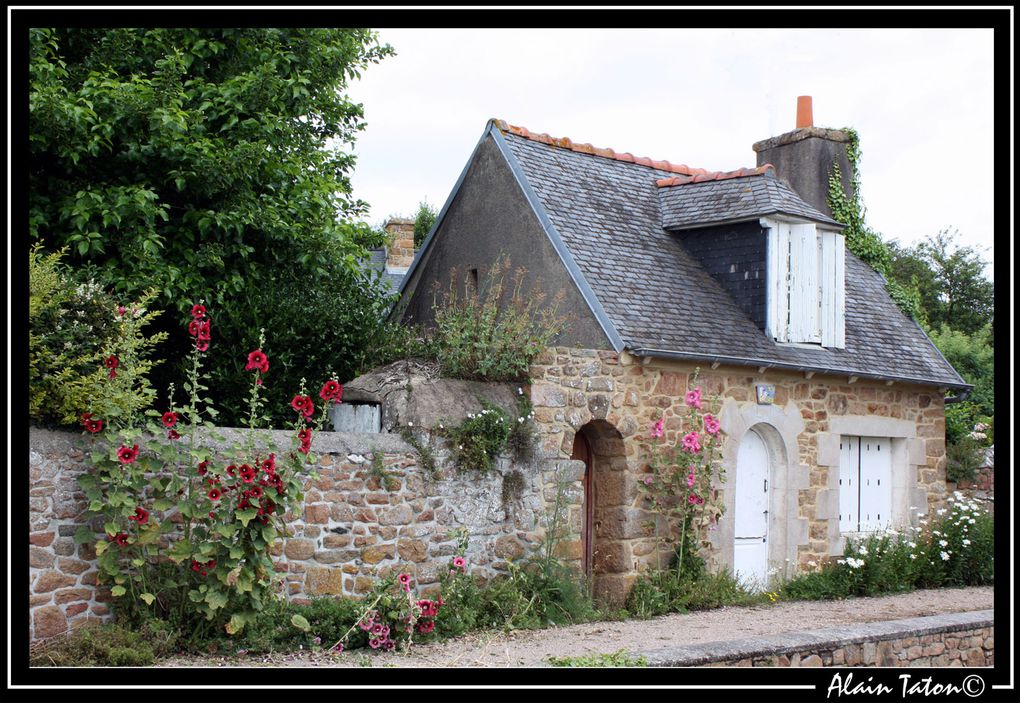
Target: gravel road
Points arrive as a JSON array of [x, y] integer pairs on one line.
[[533, 648]]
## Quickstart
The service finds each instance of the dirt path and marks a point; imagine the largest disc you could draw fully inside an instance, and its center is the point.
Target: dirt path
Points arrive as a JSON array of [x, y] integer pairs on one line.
[[533, 648]]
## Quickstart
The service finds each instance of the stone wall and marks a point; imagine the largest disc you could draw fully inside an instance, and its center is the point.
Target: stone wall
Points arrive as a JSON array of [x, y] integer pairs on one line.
[[953, 640], [621, 395], [355, 525]]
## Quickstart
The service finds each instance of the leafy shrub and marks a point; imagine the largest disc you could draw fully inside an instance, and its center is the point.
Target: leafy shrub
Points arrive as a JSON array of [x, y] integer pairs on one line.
[[664, 591], [478, 440], [75, 329], [951, 547], [495, 330]]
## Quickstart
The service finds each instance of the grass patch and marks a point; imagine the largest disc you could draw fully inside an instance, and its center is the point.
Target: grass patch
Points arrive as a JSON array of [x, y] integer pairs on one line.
[[106, 644], [618, 658]]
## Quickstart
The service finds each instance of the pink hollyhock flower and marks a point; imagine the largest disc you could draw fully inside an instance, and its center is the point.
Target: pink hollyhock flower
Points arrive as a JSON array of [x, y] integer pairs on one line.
[[690, 479], [257, 361], [690, 443], [126, 455], [405, 581], [649, 480], [657, 427], [459, 563], [426, 627], [375, 643], [711, 425], [693, 398]]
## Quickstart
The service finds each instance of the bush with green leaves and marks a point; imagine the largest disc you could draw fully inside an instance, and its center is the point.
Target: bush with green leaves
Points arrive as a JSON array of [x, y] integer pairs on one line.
[[494, 331], [210, 164], [951, 546], [88, 353], [423, 221]]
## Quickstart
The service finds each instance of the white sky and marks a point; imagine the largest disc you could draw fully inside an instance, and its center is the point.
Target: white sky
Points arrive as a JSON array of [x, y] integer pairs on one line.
[[920, 99]]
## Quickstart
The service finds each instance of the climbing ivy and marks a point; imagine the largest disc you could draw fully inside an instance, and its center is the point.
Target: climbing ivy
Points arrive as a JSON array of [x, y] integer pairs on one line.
[[864, 242]]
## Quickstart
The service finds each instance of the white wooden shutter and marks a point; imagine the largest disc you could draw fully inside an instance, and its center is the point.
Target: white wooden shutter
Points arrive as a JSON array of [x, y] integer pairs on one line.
[[839, 299], [849, 471], [779, 281], [804, 289], [827, 275], [876, 483]]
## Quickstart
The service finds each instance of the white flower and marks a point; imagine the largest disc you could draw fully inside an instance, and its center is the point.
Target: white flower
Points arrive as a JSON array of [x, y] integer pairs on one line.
[[863, 551], [943, 543], [940, 511], [966, 543], [854, 563], [520, 392], [520, 420], [944, 555], [440, 425], [410, 424], [913, 556], [460, 446], [911, 544], [936, 532], [971, 521]]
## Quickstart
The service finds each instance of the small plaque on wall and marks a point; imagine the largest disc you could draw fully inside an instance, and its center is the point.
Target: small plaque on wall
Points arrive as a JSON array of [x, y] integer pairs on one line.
[[766, 393]]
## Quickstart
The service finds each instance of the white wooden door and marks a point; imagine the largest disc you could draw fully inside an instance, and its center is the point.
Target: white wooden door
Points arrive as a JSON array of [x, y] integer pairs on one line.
[[751, 513], [876, 478]]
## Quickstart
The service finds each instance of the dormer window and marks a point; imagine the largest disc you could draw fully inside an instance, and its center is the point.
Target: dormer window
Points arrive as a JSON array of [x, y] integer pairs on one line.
[[806, 284]]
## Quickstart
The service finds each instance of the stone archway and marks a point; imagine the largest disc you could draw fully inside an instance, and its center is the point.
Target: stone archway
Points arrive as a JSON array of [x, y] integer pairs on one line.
[[608, 495]]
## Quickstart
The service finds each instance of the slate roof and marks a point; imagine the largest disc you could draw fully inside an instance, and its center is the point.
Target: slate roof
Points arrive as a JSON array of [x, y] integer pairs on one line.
[[687, 205], [606, 211], [377, 261]]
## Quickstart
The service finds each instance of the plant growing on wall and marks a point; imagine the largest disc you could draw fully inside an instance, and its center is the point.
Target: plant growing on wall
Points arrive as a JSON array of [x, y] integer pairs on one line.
[[681, 484], [482, 437], [188, 531], [494, 330]]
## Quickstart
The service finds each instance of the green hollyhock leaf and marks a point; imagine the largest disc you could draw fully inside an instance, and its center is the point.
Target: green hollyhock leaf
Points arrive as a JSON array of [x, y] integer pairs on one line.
[[245, 516], [148, 598], [216, 599], [118, 591], [300, 622]]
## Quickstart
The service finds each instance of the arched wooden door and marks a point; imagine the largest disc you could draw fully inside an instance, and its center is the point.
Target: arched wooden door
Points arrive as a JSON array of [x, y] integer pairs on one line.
[[751, 522], [582, 452]]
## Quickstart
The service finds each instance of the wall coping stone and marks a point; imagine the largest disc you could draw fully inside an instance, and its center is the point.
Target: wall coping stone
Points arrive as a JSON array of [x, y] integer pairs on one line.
[[816, 640], [44, 440]]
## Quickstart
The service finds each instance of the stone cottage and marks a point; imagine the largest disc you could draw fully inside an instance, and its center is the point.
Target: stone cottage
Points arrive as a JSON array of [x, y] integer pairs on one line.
[[831, 400]]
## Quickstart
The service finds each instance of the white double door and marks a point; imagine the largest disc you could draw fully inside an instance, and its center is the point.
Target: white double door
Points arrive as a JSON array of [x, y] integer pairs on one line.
[[751, 513]]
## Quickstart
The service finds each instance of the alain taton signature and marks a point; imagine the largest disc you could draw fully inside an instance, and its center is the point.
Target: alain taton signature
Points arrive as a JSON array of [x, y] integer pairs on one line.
[[972, 686]]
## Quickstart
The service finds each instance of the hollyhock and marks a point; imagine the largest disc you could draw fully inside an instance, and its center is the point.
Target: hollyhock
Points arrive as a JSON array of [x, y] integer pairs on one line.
[[203, 468], [90, 424], [690, 479], [303, 404], [173, 434], [331, 390], [690, 443], [694, 499], [375, 643], [169, 419], [198, 311], [711, 425], [215, 494], [121, 539], [112, 363], [693, 398], [257, 361], [141, 516], [202, 345], [126, 455], [657, 427], [426, 627], [459, 563], [305, 436], [405, 581]]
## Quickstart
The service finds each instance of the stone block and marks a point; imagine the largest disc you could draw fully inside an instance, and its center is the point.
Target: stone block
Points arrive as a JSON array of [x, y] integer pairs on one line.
[[299, 549], [40, 558], [49, 621], [42, 539], [317, 514], [52, 580], [413, 550], [377, 553], [397, 515], [323, 581]]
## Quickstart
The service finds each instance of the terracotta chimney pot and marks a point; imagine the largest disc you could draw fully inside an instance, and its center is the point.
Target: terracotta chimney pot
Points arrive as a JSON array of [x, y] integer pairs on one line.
[[804, 117]]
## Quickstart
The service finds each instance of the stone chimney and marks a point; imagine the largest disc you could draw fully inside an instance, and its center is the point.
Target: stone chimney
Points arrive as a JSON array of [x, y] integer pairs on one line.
[[400, 252], [804, 157]]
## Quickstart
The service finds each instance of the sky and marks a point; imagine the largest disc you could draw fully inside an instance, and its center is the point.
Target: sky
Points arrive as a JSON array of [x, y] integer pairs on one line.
[[920, 99]]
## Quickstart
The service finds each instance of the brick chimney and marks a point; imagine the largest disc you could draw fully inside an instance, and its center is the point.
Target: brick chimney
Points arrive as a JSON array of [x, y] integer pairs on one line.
[[400, 252], [804, 157]]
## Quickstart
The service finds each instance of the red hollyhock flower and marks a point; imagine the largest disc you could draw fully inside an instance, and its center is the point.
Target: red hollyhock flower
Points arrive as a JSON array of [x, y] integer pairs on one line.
[[256, 492], [247, 473], [331, 391], [198, 311], [121, 538], [203, 468], [90, 424], [426, 627], [141, 516], [112, 363], [303, 404], [215, 494], [305, 436], [169, 419], [269, 465], [257, 361], [173, 434], [126, 455], [202, 345]]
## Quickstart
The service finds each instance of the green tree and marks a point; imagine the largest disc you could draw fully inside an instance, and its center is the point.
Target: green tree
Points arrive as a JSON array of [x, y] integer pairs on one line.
[[198, 161], [423, 221], [956, 293]]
